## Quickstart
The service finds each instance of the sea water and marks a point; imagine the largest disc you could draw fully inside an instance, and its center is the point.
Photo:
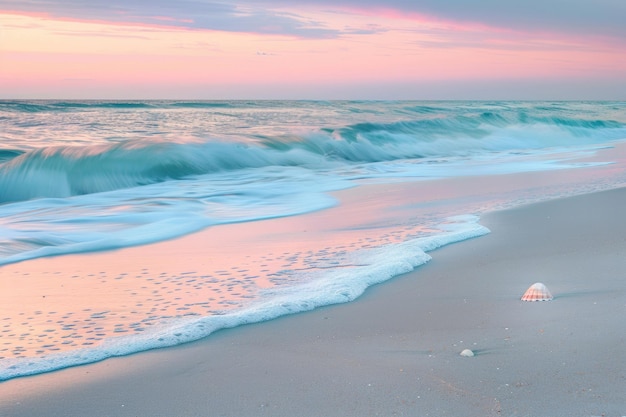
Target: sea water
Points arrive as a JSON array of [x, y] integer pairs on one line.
[[86, 176]]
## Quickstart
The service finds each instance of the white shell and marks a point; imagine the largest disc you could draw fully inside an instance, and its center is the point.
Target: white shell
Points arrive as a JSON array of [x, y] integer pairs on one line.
[[467, 352], [537, 292]]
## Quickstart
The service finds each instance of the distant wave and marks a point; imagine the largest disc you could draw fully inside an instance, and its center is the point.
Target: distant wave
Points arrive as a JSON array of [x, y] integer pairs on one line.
[[505, 111], [60, 106], [476, 126]]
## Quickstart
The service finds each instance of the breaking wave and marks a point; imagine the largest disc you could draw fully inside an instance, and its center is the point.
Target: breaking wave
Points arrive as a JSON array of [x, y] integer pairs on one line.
[[62, 171]]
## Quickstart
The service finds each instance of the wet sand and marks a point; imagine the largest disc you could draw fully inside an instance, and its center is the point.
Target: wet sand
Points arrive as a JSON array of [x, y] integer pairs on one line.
[[395, 350]]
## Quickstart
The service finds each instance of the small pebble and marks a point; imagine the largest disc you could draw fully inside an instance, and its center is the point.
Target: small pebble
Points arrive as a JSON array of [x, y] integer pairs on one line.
[[467, 352]]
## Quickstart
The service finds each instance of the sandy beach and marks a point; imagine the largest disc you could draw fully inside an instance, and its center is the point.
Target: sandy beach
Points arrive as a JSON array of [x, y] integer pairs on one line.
[[395, 351]]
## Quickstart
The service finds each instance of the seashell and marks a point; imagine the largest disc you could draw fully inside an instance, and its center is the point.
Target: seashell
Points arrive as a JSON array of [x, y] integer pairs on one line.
[[537, 292], [466, 352]]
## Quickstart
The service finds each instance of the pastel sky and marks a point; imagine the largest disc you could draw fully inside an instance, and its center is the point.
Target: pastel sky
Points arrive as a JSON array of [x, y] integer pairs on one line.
[[313, 49]]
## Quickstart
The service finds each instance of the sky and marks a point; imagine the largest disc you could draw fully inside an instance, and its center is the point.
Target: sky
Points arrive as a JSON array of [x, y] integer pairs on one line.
[[313, 49]]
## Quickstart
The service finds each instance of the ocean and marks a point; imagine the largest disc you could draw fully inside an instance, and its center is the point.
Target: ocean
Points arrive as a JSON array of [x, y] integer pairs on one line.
[[87, 177]]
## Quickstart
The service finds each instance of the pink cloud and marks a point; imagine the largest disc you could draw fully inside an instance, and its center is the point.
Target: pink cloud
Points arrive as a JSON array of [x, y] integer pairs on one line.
[[381, 49]]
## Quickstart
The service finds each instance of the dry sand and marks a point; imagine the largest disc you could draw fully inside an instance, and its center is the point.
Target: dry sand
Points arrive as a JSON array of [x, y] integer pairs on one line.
[[395, 351]]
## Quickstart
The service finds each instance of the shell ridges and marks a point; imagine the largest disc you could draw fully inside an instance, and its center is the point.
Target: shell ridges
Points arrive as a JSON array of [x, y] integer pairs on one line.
[[537, 292]]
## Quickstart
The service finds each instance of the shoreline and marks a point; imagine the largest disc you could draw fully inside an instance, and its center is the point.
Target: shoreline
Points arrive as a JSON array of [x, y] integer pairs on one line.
[[395, 350], [127, 291]]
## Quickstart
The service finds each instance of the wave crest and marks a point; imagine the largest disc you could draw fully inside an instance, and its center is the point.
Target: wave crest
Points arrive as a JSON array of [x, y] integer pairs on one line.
[[72, 170]]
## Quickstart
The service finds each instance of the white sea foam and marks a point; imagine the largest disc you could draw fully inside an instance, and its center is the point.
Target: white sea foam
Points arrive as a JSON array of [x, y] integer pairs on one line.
[[342, 284]]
